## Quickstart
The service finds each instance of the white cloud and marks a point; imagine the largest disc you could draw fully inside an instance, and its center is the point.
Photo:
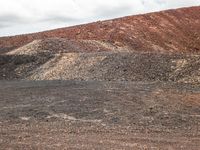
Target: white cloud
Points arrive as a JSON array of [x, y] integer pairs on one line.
[[23, 16]]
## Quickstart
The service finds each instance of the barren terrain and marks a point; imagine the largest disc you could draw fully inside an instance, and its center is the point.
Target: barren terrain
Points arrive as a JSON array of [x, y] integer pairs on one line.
[[99, 115], [171, 30], [126, 83], [100, 66]]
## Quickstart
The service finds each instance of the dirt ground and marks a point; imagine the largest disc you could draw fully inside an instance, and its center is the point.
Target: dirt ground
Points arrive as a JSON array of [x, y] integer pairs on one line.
[[99, 115], [133, 83]]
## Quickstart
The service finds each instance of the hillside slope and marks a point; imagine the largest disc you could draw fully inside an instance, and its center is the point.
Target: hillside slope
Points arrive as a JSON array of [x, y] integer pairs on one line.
[[171, 30], [103, 66], [146, 47], [128, 83]]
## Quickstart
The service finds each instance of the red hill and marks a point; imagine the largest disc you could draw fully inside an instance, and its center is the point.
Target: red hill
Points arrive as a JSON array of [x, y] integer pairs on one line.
[[171, 30]]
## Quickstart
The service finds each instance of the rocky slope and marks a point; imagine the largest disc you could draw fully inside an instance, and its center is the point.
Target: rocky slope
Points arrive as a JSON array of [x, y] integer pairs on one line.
[[157, 46], [104, 66], [171, 30], [121, 114]]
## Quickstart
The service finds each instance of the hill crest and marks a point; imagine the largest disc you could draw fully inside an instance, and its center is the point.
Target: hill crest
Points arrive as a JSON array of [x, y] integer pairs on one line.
[[171, 30]]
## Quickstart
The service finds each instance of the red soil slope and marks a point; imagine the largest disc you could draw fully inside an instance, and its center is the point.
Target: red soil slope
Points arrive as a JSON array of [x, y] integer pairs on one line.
[[171, 30]]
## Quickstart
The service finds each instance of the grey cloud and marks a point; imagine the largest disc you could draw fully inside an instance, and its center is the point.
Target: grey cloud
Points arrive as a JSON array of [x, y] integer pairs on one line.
[[10, 18], [109, 12], [7, 20], [3, 25], [59, 19]]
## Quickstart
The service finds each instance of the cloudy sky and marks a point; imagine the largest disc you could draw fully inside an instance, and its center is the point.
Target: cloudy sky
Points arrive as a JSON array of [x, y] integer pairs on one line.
[[25, 16]]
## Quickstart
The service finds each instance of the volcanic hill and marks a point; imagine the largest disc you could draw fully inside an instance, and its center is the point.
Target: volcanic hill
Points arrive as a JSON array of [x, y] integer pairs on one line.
[[160, 46], [152, 99], [171, 30]]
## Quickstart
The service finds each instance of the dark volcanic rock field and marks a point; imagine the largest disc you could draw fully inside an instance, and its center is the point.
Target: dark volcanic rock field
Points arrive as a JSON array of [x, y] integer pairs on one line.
[[99, 115], [127, 83]]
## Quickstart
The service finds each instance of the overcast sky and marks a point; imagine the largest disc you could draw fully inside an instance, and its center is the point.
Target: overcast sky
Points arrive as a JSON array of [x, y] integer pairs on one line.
[[25, 16]]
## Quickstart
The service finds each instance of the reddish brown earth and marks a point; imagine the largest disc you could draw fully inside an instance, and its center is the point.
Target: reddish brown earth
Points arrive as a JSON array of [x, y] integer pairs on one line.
[[171, 30], [134, 48], [135, 94], [99, 115]]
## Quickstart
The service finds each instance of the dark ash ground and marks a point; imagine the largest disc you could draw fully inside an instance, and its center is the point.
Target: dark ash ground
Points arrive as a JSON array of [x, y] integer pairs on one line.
[[99, 115]]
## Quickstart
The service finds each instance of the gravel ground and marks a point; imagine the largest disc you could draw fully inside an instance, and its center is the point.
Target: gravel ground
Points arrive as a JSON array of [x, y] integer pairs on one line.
[[99, 115], [101, 66], [127, 83]]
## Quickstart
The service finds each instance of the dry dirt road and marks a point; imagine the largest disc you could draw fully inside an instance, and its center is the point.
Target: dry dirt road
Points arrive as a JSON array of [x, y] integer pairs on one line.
[[99, 115]]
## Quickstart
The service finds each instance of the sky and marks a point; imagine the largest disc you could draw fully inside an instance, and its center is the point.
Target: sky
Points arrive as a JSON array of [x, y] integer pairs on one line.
[[27, 16]]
